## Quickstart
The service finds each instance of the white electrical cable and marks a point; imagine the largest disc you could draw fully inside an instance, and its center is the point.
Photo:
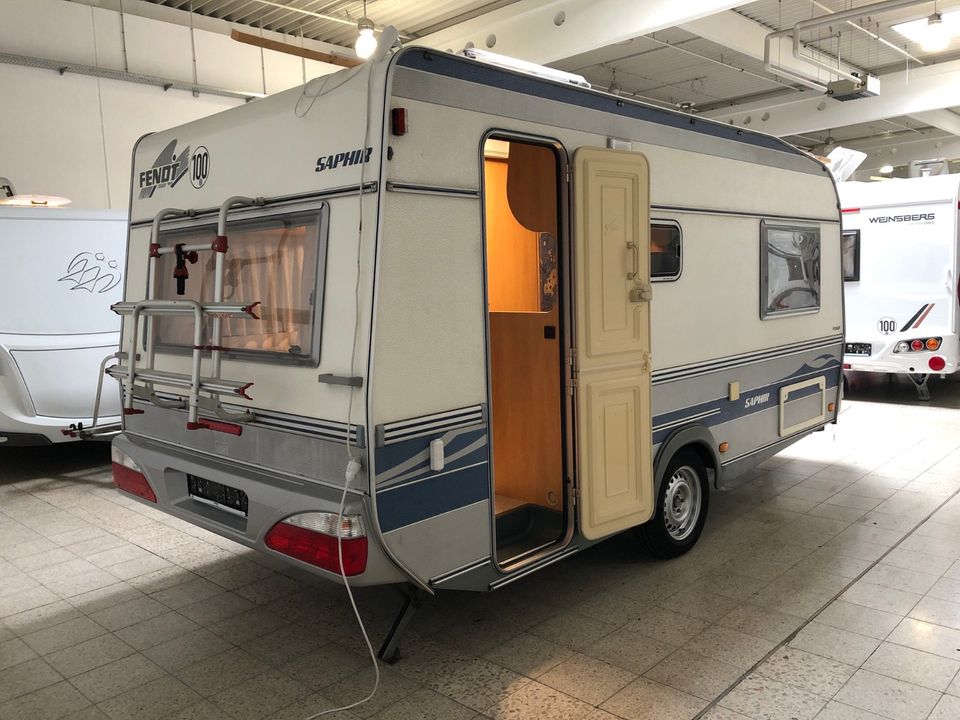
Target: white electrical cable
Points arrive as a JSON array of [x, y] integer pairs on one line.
[[353, 464]]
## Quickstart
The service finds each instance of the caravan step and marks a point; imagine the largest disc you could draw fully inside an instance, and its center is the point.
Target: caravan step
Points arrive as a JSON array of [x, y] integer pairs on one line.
[[183, 380], [187, 307]]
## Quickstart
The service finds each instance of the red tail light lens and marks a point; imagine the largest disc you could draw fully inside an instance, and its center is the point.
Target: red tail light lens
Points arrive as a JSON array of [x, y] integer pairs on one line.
[[937, 363], [300, 537], [133, 482], [916, 345]]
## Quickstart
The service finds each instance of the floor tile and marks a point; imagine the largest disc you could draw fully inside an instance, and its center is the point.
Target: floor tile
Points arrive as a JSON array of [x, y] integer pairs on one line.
[[216, 673], [878, 597], [667, 626], [156, 630], [838, 711], [88, 655], [813, 673], [128, 613], [114, 678], [50, 703], [729, 646], [928, 637], [893, 698], [426, 704], [528, 655], [913, 666], [478, 684], [631, 651], [859, 619], [26, 677], [536, 700], [694, 674], [760, 622], [392, 688], [15, 651], [762, 698], [587, 678], [834, 643], [947, 709], [156, 699], [647, 700]]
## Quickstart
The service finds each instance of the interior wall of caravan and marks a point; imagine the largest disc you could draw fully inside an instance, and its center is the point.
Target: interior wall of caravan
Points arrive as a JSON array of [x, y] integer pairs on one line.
[[523, 254]]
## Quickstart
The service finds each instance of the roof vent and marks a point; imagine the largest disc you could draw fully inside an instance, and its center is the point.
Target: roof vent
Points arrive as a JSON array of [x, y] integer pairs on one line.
[[845, 89]]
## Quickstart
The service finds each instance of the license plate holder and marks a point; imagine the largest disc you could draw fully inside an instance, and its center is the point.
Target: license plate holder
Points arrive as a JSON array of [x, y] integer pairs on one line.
[[862, 349], [218, 495]]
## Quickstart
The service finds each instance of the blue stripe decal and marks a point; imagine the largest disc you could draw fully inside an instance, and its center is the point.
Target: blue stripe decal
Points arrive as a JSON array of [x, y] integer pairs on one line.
[[409, 460], [407, 504], [723, 410], [440, 63]]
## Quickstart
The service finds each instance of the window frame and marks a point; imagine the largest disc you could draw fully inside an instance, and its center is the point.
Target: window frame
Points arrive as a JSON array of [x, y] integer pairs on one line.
[[855, 233], [765, 227], [318, 212], [665, 222]]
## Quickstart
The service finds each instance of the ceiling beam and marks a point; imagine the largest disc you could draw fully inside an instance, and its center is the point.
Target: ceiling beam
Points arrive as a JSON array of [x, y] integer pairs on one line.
[[901, 93], [545, 32], [945, 120]]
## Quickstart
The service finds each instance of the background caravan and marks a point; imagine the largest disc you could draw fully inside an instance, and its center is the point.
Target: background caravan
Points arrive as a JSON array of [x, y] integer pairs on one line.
[[901, 277], [531, 341], [62, 270]]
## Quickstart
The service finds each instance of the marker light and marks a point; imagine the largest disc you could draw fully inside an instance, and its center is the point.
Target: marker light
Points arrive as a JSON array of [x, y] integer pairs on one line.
[[933, 343], [128, 477], [916, 345], [312, 538], [937, 363]]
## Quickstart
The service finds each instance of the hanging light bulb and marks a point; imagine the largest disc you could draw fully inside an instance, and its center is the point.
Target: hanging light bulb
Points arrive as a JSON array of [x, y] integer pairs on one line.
[[366, 43], [937, 34]]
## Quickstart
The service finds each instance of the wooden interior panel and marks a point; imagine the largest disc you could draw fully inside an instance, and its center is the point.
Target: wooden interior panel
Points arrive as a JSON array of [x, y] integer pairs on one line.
[[532, 187], [525, 370], [512, 255]]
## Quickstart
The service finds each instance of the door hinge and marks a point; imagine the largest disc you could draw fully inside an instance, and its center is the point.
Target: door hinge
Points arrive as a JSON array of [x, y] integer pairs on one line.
[[568, 175]]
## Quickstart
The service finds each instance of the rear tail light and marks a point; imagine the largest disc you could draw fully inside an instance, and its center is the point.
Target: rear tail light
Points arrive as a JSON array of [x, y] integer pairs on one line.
[[918, 345], [937, 363], [312, 538], [128, 476]]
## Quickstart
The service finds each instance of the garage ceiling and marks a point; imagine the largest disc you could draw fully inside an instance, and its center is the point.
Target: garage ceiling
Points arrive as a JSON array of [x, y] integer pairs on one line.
[[675, 66]]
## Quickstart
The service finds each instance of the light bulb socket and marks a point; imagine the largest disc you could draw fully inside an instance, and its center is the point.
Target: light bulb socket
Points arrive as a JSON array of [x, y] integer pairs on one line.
[[365, 24]]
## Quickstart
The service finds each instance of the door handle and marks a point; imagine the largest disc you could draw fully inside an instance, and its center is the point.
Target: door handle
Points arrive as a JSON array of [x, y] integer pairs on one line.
[[632, 247]]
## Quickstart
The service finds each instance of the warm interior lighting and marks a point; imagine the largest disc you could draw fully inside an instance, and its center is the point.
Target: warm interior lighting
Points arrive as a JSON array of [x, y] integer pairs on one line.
[[366, 42], [34, 201], [934, 33]]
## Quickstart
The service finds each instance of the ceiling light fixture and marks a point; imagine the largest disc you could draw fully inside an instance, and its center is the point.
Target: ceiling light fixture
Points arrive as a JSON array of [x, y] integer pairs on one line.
[[886, 169], [36, 201], [934, 33], [366, 43]]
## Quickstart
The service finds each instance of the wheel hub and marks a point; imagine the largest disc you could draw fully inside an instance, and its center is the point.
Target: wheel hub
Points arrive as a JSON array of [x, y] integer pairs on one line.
[[681, 503]]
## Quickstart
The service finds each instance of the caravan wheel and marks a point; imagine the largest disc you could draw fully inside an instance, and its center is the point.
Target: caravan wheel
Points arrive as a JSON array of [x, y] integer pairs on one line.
[[681, 507]]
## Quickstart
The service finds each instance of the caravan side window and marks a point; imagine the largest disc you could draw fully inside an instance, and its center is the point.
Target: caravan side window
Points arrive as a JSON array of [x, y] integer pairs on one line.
[[666, 243], [277, 260], [850, 254], [790, 269]]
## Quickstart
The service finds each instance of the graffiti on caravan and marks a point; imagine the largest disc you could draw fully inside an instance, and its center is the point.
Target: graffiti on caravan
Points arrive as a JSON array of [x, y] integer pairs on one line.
[[167, 170], [915, 217]]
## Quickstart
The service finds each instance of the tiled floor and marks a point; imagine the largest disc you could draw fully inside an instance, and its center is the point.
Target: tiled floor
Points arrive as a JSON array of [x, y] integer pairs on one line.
[[827, 585]]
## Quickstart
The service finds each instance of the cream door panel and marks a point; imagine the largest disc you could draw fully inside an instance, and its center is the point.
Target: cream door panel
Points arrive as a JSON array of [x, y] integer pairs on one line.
[[612, 370]]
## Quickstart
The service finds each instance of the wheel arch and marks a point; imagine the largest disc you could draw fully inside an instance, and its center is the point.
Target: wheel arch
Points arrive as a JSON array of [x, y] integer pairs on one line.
[[695, 437]]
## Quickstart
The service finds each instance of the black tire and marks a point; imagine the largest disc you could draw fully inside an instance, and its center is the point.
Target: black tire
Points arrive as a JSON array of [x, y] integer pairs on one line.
[[663, 536]]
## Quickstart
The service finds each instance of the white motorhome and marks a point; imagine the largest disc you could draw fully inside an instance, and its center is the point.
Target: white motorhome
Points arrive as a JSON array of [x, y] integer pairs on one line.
[[519, 315], [901, 276], [62, 269]]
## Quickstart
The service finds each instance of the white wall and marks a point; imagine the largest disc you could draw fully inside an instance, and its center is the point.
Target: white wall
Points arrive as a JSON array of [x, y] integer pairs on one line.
[[72, 135]]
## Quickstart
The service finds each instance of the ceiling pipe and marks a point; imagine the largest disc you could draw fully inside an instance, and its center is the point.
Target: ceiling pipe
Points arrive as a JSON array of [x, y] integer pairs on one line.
[[845, 15], [823, 20]]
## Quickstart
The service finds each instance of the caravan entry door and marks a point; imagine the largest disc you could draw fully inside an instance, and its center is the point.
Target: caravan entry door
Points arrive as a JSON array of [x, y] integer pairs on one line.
[[612, 249]]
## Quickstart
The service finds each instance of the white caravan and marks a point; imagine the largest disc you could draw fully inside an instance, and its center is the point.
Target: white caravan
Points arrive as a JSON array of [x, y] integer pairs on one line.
[[62, 269], [564, 314], [901, 276]]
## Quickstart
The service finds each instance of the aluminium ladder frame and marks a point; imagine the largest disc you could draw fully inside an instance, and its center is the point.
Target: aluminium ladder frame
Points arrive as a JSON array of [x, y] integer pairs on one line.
[[217, 310]]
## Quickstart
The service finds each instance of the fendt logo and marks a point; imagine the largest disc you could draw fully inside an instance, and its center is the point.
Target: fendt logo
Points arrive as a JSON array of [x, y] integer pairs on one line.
[[167, 170], [916, 217]]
